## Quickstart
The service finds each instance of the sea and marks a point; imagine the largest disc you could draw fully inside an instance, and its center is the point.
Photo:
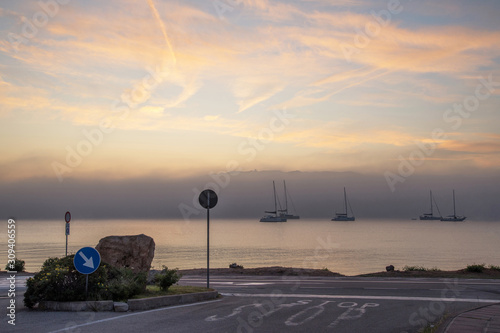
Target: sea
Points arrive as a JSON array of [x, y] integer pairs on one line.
[[349, 248]]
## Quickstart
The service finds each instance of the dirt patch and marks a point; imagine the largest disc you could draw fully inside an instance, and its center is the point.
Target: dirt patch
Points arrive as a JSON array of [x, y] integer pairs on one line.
[[487, 273], [264, 271], [290, 271]]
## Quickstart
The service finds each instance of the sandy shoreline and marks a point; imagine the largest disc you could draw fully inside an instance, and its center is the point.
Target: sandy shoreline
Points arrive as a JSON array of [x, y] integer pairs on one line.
[[290, 271]]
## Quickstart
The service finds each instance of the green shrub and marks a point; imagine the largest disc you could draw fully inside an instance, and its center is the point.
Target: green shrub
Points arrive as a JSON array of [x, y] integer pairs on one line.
[[17, 266], [124, 283], [166, 278], [476, 268], [495, 268], [414, 268], [58, 280]]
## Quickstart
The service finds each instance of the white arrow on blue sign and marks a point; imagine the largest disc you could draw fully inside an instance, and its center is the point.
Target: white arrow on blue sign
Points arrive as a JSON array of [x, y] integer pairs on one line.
[[87, 260]]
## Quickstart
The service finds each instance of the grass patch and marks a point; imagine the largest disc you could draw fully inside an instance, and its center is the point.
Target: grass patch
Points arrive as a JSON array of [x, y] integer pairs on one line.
[[475, 268], [432, 328], [420, 269], [155, 291]]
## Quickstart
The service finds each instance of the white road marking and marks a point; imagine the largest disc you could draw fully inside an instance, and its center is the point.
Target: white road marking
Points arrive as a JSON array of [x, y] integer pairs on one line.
[[390, 298]]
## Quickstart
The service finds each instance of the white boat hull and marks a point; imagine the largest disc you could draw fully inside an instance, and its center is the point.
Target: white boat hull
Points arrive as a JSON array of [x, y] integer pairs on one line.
[[272, 219], [344, 218]]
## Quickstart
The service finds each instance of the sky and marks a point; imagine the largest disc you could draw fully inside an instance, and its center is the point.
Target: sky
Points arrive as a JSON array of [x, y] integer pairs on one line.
[[124, 95]]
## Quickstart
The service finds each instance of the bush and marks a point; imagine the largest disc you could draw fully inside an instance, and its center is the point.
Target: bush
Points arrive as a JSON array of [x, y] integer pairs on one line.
[[414, 269], [475, 268], [124, 284], [18, 266], [495, 268], [58, 280], [166, 278]]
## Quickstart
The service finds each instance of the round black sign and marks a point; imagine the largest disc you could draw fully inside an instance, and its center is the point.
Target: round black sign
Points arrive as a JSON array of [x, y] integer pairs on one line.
[[208, 199], [67, 217]]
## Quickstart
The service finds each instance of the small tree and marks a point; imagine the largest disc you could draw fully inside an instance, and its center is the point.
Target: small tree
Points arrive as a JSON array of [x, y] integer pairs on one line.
[[17, 266], [167, 277]]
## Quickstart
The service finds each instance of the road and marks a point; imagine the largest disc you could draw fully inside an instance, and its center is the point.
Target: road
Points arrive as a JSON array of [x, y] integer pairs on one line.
[[282, 304]]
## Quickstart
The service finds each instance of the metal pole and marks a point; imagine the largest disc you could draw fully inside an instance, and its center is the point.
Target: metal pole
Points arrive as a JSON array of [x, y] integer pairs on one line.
[[208, 246], [66, 244], [86, 285]]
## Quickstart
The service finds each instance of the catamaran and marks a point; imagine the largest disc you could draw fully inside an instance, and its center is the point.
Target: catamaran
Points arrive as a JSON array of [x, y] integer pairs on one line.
[[454, 217], [344, 216], [273, 217], [430, 216], [284, 212]]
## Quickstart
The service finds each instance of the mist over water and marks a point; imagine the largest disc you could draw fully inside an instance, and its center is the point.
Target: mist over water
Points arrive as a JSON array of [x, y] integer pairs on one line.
[[249, 194], [363, 246]]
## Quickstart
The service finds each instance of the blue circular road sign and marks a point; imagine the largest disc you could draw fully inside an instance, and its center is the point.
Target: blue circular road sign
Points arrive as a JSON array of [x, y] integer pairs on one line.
[[87, 260]]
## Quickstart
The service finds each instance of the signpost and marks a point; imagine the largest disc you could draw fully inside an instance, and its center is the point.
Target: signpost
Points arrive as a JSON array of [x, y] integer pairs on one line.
[[208, 199], [86, 261], [67, 218]]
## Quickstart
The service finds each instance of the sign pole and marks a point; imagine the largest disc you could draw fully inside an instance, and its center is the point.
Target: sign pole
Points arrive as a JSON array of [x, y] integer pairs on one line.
[[208, 199], [208, 243], [67, 218], [86, 286]]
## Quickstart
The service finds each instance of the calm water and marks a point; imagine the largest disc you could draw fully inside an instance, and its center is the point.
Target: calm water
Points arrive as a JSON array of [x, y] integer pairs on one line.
[[346, 247]]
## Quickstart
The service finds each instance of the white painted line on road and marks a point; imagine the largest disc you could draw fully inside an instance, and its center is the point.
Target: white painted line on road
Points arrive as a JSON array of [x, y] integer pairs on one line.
[[132, 314], [408, 281], [390, 298], [252, 284]]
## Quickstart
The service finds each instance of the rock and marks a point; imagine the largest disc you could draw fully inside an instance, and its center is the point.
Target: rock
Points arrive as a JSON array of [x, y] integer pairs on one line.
[[135, 252], [389, 268], [120, 307]]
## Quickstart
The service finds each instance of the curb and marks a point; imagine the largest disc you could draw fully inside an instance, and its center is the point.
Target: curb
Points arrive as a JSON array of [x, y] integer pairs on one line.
[[133, 304], [161, 301], [449, 323]]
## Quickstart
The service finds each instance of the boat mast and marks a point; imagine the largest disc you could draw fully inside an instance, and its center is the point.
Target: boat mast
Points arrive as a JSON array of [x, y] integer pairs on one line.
[[275, 206], [431, 203], [286, 200], [454, 212], [345, 202]]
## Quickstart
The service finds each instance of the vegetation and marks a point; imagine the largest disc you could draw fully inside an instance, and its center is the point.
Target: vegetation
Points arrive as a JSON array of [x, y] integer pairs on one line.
[[432, 328], [58, 280], [420, 269], [166, 278], [18, 266], [495, 268], [475, 268]]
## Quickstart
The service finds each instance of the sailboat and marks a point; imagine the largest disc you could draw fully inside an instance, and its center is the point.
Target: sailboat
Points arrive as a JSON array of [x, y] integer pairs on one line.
[[430, 216], [284, 212], [344, 216], [454, 217], [273, 217]]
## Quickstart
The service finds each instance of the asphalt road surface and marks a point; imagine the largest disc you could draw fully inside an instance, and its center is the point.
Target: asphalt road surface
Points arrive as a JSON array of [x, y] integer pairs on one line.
[[280, 304]]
